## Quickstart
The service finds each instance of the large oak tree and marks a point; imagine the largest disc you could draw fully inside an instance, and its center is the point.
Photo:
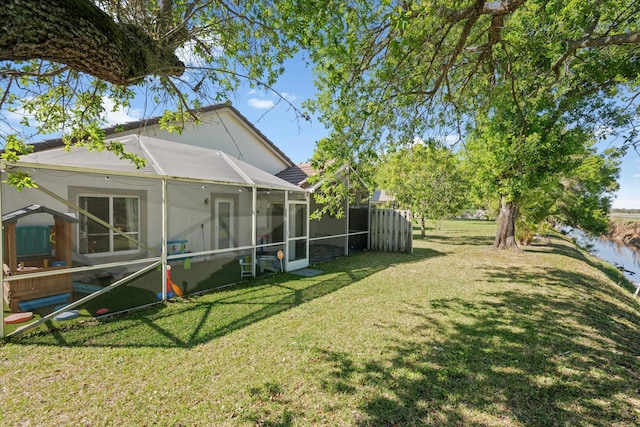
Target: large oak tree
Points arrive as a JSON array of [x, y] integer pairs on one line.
[[529, 77], [389, 70]]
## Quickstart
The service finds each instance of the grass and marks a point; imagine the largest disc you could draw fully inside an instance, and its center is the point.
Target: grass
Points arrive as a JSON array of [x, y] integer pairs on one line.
[[143, 290], [454, 334]]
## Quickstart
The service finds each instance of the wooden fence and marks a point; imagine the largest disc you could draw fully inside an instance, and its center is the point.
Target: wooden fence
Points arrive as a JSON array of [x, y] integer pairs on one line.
[[390, 231]]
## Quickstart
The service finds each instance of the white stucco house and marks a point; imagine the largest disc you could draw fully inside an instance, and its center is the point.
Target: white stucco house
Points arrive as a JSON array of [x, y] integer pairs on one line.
[[216, 203]]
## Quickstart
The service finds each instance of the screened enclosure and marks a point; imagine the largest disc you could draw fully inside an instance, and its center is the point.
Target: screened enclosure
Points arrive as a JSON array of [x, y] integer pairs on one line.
[[191, 220]]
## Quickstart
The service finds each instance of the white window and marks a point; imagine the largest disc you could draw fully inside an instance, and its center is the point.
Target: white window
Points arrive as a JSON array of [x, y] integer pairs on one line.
[[121, 212]]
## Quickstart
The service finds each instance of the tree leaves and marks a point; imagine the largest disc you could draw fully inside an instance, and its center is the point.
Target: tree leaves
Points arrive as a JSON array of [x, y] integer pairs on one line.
[[526, 83]]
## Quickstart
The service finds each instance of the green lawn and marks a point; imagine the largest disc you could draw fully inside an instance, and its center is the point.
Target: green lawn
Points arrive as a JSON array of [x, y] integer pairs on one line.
[[454, 334]]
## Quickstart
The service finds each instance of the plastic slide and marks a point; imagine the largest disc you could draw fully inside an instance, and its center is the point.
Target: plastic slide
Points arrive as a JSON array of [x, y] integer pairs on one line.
[[171, 284], [175, 287]]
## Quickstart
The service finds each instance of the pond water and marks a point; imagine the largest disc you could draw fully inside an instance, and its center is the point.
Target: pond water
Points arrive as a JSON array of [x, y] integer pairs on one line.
[[624, 257]]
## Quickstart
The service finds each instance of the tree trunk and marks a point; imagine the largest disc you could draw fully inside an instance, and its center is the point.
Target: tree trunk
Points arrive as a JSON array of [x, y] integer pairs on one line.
[[505, 234], [422, 228], [78, 34]]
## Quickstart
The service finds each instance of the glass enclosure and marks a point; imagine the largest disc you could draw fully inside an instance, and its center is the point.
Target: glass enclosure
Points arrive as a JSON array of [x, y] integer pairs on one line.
[[331, 237], [113, 229]]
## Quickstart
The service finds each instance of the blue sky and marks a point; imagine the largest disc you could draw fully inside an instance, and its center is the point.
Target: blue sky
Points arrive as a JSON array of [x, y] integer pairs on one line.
[[294, 136], [629, 194]]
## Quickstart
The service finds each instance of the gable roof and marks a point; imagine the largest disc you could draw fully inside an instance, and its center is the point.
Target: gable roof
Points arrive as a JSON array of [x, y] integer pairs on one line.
[[14, 216], [152, 121], [381, 196], [298, 174], [163, 159]]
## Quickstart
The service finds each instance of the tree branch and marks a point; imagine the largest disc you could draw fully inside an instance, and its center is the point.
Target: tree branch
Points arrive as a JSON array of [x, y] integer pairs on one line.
[[17, 73], [500, 7], [78, 34], [618, 39], [587, 42]]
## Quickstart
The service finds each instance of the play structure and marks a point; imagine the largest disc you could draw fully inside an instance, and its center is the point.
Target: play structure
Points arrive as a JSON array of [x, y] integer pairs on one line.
[[179, 247], [18, 317], [172, 288], [36, 249]]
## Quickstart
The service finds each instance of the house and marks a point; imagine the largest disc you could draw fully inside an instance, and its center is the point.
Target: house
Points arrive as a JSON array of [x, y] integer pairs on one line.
[[208, 207], [381, 198]]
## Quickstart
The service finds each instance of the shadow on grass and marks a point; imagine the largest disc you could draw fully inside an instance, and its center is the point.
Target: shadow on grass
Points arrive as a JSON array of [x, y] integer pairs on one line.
[[192, 321], [505, 358]]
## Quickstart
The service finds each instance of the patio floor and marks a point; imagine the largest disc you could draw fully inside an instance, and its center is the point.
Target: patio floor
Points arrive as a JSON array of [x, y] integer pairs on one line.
[[320, 253]]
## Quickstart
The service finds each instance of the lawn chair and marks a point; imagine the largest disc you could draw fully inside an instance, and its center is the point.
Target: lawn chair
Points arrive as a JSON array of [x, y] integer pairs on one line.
[[246, 267]]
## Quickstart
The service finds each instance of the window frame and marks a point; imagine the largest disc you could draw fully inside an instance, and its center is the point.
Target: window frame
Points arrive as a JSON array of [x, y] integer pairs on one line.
[[139, 196]]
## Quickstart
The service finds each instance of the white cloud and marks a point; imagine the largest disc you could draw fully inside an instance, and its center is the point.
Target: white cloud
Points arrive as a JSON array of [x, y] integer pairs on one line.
[[452, 140], [14, 117], [261, 104], [119, 116], [603, 131], [187, 54], [6, 129], [626, 203], [288, 96], [11, 123]]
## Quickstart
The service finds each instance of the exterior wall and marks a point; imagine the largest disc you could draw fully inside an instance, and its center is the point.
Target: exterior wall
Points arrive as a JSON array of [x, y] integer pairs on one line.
[[192, 214], [69, 185], [222, 130], [191, 211]]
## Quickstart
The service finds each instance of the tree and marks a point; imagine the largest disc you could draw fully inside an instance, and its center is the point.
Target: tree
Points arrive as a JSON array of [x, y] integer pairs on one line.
[[63, 62], [427, 179], [575, 191], [534, 78], [514, 166], [584, 198]]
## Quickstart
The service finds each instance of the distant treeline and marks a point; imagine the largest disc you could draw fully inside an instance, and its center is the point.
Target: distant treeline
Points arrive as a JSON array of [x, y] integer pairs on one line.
[[626, 211]]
